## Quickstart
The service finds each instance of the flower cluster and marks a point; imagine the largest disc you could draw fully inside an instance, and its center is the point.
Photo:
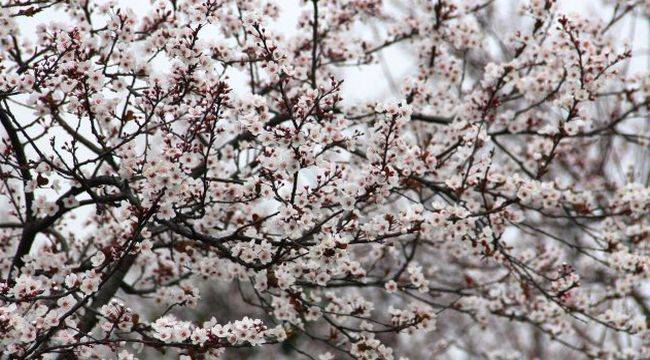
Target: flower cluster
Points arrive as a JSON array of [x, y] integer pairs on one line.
[[359, 179]]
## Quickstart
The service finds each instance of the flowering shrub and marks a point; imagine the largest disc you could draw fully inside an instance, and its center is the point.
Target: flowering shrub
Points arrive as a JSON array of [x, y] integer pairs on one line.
[[193, 181]]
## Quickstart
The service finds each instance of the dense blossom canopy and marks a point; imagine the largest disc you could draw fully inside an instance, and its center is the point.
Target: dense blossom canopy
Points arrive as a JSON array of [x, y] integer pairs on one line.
[[198, 179]]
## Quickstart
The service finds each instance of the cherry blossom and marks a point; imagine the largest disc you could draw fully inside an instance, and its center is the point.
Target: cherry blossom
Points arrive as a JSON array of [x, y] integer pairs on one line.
[[205, 179]]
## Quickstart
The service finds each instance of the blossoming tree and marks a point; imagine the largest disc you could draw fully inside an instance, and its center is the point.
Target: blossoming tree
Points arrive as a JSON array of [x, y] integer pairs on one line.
[[194, 180]]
